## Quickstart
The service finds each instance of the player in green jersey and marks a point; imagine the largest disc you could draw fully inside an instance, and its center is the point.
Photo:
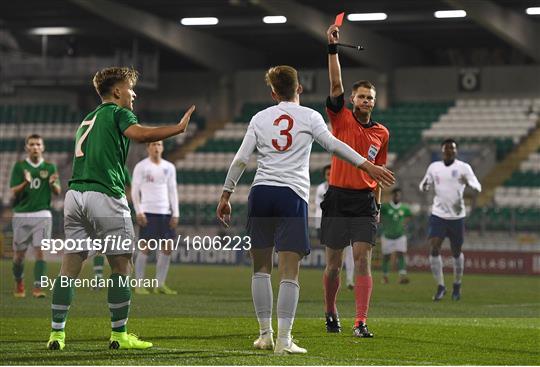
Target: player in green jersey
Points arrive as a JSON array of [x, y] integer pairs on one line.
[[394, 217], [33, 181], [99, 259], [95, 206]]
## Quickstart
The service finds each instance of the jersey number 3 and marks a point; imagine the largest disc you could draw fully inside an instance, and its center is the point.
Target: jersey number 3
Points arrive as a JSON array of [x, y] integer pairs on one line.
[[78, 147], [285, 132]]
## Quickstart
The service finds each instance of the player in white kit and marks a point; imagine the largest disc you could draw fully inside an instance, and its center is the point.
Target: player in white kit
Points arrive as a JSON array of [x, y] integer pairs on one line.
[[449, 178], [282, 135], [155, 200]]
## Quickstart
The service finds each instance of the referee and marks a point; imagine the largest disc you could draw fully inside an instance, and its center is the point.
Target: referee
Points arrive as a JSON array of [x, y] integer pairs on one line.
[[350, 209]]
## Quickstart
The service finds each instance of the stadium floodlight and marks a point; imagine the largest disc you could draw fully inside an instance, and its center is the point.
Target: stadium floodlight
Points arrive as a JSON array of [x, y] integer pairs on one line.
[[200, 21], [533, 11], [51, 31], [450, 14], [366, 17], [274, 19]]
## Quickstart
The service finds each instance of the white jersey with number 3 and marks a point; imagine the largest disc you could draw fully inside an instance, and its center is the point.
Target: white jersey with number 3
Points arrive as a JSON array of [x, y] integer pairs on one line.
[[282, 136]]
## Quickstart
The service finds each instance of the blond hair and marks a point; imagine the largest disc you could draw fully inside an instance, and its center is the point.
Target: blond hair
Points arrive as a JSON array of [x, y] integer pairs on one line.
[[283, 80], [106, 78]]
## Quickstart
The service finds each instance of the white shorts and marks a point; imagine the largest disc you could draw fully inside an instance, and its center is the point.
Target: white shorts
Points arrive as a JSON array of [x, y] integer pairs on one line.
[[97, 216], [30, 228], [393, 245]]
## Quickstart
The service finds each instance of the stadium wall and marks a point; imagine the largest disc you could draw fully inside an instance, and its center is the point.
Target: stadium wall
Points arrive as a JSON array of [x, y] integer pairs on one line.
[[221, 96]]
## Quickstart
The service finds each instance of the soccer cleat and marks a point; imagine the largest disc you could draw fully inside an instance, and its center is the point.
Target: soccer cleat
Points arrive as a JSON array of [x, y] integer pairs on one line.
[[19, 290], [384, 280], [332, 323], [287, 347], [404, 280], [164, 290], [57, 340], [361, 330], [441, 291], [141, 290], [264, 342], [123, 340], [350, 286], [38, 293], [456, 292]]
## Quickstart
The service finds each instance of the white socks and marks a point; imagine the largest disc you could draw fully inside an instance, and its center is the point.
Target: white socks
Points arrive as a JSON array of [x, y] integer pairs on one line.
[[261, 292], [289, 291], [162, 267], [140, 265], [437, 269], [349, 264], [458, 268]]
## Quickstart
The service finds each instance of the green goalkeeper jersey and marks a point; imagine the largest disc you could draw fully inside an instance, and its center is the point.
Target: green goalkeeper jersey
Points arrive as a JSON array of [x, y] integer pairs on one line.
[[37, 195], [101, 150], [392, 218]]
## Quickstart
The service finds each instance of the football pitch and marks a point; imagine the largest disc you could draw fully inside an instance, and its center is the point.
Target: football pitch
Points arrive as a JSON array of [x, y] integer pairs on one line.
[[211, 322]]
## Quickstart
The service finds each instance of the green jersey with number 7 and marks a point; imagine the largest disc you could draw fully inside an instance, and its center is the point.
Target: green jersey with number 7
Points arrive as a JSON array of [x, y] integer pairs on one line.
[[101, 150]]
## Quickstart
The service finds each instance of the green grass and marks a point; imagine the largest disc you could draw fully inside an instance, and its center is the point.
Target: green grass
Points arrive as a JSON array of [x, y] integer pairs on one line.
[[211, 322]]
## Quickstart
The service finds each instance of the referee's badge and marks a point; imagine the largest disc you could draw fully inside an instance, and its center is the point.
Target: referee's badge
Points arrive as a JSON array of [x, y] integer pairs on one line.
[[44, 174], [372, 152]]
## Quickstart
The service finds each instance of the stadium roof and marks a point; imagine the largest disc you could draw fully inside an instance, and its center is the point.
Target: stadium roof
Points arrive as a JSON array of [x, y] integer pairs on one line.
[[410, 35]]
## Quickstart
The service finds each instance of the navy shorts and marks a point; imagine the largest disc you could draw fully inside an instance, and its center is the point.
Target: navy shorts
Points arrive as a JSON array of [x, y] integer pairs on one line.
[[157, 227], [454, 229], [278, 217]]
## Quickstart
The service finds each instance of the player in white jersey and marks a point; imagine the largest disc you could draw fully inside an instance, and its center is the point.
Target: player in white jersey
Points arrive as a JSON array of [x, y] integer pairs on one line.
[[155, 200], [348, 260], [277, 204], [449, 178]]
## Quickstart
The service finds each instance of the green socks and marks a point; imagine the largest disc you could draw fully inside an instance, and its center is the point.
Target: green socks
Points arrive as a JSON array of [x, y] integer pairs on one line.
[[61, 300], [18, 270], [119, 298], [40, 268], [99, 260], [386, 264], [402, 265]]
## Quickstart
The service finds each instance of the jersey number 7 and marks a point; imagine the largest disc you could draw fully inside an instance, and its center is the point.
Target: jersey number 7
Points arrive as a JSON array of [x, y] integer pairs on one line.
[[285, 132], [78, 147]]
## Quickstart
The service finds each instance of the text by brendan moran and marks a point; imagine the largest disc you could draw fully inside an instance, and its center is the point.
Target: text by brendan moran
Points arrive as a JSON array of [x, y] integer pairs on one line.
[[65, 281]]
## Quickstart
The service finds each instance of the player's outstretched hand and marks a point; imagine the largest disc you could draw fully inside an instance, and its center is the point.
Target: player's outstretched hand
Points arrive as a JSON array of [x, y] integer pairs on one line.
[[223, 211], [185, 119], [333, 34], [381, 174]]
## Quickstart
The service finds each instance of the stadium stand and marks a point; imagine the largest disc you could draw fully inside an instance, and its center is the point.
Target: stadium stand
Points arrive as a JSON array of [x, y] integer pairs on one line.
[[505, 121]]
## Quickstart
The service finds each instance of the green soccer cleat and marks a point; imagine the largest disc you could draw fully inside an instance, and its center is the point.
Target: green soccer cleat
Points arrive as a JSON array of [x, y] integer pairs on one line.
[[164, 290], [57, 340], [123, 340]]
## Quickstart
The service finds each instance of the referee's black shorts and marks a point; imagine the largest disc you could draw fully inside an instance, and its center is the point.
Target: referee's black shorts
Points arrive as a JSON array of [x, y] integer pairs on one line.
[[348, 216]]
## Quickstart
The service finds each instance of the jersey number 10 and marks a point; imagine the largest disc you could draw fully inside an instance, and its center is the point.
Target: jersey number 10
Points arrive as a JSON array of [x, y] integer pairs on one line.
[[285, 132]]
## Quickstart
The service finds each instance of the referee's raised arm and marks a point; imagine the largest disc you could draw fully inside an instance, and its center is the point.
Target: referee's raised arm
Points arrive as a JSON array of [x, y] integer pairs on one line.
[[334, 69]]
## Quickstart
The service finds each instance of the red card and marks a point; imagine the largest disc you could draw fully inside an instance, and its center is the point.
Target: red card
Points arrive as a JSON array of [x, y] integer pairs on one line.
[[339, 19]]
